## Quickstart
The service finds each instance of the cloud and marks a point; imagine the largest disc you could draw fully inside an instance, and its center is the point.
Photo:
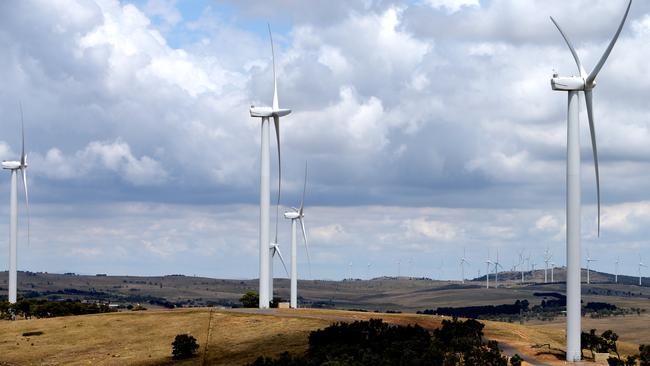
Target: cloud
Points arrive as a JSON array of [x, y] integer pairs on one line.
[[113, 156]]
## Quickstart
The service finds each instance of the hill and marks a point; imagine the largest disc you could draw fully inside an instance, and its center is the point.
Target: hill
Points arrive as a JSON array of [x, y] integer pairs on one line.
[[226, 337]]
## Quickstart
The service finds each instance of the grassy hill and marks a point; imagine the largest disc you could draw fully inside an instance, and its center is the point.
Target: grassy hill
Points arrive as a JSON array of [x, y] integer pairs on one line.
[[401, 294], [235, 337]]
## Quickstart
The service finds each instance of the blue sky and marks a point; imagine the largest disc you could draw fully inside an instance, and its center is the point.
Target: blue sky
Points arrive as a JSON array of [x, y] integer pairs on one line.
[[429, 126]]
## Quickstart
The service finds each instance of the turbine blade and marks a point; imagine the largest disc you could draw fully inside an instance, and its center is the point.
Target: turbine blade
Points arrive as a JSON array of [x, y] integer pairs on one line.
[[275, 83], [583, 73], [277, 250], [603, 58], [276, 121], [23, 157], [304, 189], [24, 171], [592, 130], [304, 236]]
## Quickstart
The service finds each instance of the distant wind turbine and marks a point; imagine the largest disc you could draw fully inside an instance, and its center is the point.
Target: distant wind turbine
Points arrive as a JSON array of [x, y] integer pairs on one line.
[[497, 264], [265, 192], [589, 260], [275, 250], [488, 263], [14, 167], [463, 260], [547, 258], [297, 214], [616, 263], [640, 265], [573, 85], [552, 270]]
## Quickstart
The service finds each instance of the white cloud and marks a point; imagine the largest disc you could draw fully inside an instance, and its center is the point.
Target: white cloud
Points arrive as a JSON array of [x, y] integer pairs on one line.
[[453, 6], [113, 156]]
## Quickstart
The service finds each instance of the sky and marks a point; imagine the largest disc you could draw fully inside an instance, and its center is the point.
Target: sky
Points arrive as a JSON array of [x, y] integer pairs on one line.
[[429, 128]]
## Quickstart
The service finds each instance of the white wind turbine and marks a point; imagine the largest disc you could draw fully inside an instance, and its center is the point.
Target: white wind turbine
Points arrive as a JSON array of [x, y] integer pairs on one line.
[[298, 214], [274, 249], [589, 260], [547, 258], [573, 85], [13, 167], [552, 271], [521, 263], [463, 260], [497, 264], [266, 113], [488, 262], [640, 265], [618, 260]]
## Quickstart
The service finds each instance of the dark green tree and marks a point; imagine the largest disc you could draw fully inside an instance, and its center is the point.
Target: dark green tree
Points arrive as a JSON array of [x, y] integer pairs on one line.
[[250, 299], [184, 346]]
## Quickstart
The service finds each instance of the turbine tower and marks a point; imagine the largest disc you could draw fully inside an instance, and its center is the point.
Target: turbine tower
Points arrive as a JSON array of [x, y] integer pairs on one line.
[[297, 215], [547, 258], [552, 271], [640, 265], [521, 263], [463, 260], [488, 262], [573, 85], [618, 260], [589, 260], [265, 113], [14, 167], [497, 264]]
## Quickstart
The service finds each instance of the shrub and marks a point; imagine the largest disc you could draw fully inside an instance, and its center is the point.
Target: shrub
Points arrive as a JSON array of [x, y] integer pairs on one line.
[[644, 355], [516, 360], [184, 346], [250, 299]]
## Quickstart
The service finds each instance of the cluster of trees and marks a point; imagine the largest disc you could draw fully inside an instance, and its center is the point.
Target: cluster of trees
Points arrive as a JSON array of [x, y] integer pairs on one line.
[[475, 312], [251, 299], [377, 343], [28, 308], [606, 343]]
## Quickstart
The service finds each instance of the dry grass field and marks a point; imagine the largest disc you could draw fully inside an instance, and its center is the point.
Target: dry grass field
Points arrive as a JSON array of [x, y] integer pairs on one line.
[[230, 337]]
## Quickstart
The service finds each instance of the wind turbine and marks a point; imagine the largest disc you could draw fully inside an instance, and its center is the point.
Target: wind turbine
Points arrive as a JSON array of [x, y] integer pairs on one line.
[[521, 263], [266, 113], [463, 260], [350, 269], [640, 265], [618, 260], [589, 260], [13, 167], [547, 258], [275, 250], [497, 264], [552, 271], [488, 262], [368, 270], [297, 215], [573, 85]]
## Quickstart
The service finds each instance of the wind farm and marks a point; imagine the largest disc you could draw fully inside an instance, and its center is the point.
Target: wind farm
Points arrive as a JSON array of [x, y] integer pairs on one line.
[[447, 192]]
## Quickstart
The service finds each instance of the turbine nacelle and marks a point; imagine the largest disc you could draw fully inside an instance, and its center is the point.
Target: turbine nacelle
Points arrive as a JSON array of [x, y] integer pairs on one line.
[[292, 215], [11, 165], [268, 112], [567, 83]]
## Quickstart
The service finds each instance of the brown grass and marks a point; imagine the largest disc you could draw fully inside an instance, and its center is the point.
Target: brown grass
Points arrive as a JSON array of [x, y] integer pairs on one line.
[[236, 338]]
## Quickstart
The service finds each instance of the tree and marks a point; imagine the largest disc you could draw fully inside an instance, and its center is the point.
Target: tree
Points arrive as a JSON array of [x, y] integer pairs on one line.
[[644, 355], [250, 299], [516, 360], [184, 346]]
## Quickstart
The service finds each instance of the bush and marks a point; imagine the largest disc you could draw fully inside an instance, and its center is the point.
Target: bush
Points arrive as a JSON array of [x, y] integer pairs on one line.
[[516, 360], [376, 343], [250, 299], [644, 355], [184, 346]]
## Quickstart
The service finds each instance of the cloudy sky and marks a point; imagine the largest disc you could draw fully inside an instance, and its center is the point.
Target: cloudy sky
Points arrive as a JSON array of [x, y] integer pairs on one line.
[[429, 126]]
